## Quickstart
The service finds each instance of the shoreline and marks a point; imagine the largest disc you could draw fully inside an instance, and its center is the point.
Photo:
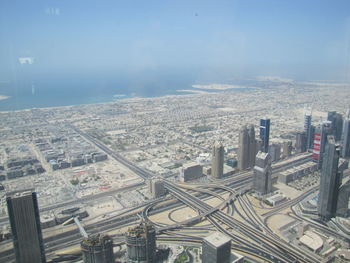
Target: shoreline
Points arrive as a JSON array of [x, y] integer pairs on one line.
[[113, 99], [197, 90]]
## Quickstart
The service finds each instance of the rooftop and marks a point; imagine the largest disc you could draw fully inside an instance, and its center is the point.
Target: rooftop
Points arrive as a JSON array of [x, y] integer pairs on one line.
[[190, 164], [20, 193], [312, 240], [217, 239]]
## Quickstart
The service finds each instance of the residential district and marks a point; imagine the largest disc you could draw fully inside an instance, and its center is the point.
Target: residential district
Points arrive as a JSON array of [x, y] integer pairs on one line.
[[255, 174]]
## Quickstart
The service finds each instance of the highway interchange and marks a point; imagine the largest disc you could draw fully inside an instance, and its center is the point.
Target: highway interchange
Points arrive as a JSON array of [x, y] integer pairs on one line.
[[252, 237]]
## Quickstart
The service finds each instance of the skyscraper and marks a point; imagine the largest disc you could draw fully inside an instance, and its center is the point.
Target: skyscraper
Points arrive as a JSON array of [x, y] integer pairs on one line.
[[311, 137], [330, 180], [264, 134], [308, 129], [287, 148], [320, 138], [300, 144], [262, 183], [24, 219], [253, 148], [217, 167], [337, 124], [97, 248], [275, 151], [246, 147], [343, 199], [141, 243], [243, 149], [157, 188], [345, 148]]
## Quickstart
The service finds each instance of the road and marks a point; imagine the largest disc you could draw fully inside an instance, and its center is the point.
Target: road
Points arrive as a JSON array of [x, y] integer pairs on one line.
[[283, 252], [72, 237]]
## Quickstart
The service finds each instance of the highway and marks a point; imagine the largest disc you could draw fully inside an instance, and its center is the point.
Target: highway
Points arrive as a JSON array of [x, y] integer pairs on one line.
[[238, 181], [283, 252]]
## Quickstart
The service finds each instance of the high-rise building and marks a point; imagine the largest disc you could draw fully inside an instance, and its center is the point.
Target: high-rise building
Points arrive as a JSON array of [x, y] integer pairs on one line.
[[320, 138], [243, 149], [311, 137], [253, 148], [275, 151], [141, 243], [24, 219], [97, 248], [287, 149], [309, 130], [301, 143], [216, 248], [264, 134], [330, 180], [343, 199], [337, 124], [217, 167], [157, 188], [345, 144], [246, 147], [191, 171], [262, 182]]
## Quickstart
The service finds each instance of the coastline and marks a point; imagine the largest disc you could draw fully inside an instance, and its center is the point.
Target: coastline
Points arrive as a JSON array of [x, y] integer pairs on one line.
[[116, 98], [13, 104]]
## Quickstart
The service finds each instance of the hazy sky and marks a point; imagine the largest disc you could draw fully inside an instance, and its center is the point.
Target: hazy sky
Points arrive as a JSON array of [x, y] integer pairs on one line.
[[308, 39]]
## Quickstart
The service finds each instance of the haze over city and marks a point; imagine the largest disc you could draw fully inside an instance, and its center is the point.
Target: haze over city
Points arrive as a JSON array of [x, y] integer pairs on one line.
[[174, 131]]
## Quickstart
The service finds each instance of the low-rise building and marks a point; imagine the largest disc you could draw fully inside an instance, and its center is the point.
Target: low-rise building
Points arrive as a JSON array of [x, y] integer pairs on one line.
[[312, 241], [276, 199]]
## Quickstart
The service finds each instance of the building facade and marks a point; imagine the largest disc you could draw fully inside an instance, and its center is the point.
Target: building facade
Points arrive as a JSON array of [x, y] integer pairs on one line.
[[264, 134], [216, 248], [97, 248], [345, 148], [337, 124], [24, 219], [141, 243], [157, 188], [275, 151], [320, 138], [262, 183], [301, 142], [330, 180], [307, 129], [191, 171], [287, 149], [247, 148], [343, 199], [217, 167]]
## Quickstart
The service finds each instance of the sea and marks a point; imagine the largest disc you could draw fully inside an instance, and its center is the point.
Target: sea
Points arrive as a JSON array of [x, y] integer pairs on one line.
[[29, 92]]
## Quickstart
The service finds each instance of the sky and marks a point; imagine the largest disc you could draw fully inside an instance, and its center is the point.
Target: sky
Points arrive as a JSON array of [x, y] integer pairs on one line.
[[299, 39]]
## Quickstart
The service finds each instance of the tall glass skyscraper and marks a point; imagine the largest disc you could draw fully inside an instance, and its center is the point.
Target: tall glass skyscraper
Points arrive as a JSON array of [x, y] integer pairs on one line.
[[320, 138], [264, 134], [246, 148], [345, 149], [308, 130], [24, 219], [262, 179], [337, 124], [330, 180]]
